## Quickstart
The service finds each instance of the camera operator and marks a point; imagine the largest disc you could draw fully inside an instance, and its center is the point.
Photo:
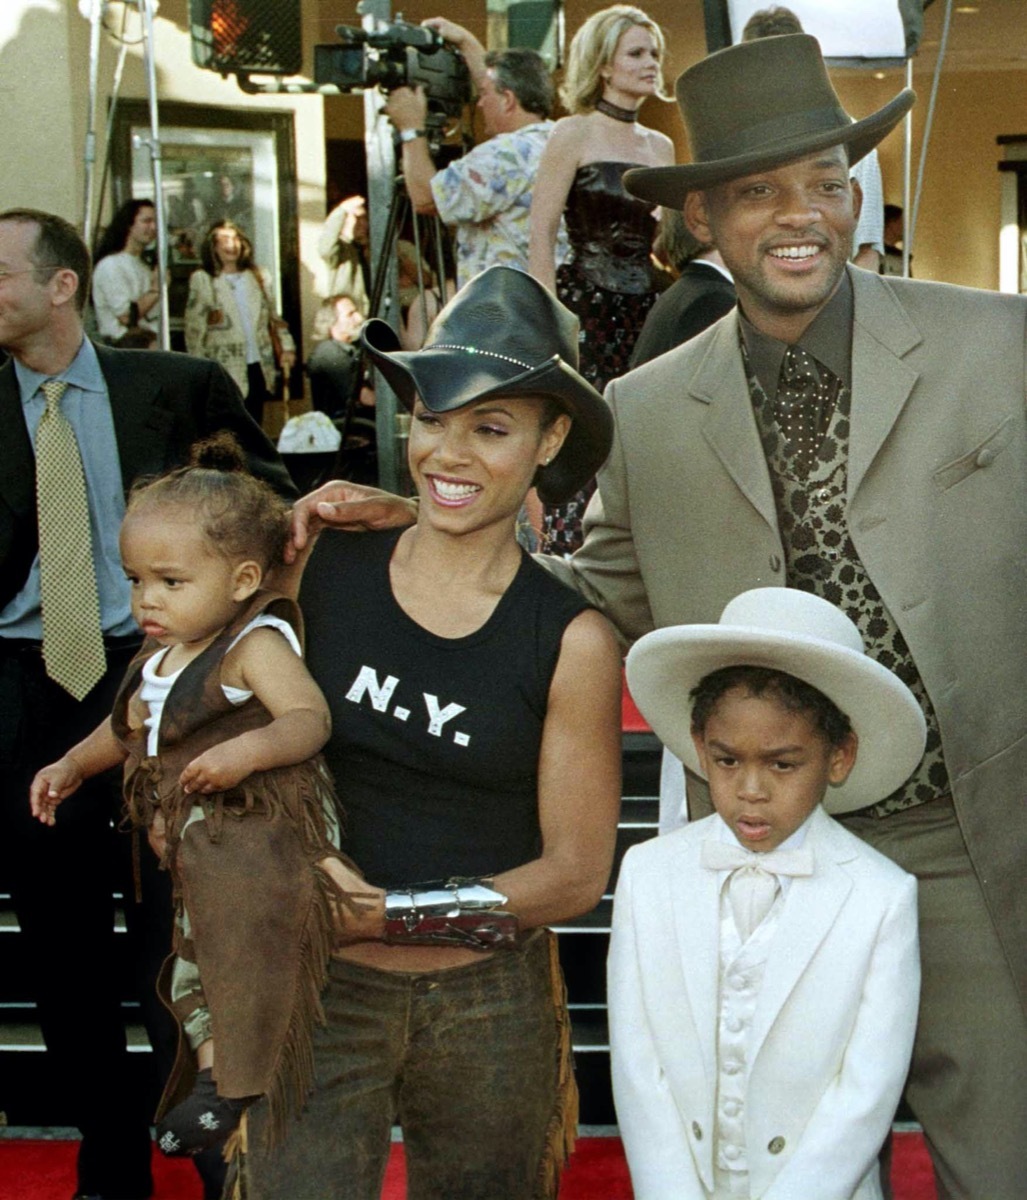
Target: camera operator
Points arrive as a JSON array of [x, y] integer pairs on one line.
[[486, 195]]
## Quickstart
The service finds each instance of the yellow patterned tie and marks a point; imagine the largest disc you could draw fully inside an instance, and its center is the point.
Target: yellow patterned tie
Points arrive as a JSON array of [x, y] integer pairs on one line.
[[72, 633]]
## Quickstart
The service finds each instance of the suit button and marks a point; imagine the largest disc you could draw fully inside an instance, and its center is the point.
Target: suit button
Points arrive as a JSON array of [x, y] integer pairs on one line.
[[697, 1131], [775, 562], [986, 458], [732, 1153], [776, 1145], [732, 1108]]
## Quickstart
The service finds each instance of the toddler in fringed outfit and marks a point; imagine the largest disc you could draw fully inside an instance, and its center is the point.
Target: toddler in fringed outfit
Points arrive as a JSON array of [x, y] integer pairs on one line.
[[219, 726]]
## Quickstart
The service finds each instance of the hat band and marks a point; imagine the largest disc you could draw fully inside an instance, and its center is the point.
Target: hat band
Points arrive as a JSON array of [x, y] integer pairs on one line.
[[488, 353], [763, 136]]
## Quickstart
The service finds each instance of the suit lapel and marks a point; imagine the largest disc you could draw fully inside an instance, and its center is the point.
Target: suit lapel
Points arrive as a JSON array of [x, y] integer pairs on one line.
[[17, 461], [697, 927], [730, 427], [142, 426], [881, 380], [809, 912]]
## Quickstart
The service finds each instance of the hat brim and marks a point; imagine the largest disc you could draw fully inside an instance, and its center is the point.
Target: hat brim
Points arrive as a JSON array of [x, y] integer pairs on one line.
[[668, 186], [446, 379], [664, 666]]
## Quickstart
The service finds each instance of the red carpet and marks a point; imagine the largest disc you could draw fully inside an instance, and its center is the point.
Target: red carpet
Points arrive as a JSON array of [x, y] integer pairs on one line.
[[39, 1170]]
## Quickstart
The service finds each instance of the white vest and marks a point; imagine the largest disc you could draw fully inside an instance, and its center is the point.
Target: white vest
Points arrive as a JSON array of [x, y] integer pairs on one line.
[[742, 968]]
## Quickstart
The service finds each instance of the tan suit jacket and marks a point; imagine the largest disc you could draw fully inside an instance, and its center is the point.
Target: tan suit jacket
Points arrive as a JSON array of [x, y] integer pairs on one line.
[[684, 520]]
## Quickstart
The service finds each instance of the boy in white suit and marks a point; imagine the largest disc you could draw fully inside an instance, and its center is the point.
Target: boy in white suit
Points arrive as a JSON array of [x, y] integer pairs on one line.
[[764, 971]]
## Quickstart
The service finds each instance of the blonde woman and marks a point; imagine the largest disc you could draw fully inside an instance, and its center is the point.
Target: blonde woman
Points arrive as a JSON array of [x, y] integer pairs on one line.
[[229, 316], [615, 64]]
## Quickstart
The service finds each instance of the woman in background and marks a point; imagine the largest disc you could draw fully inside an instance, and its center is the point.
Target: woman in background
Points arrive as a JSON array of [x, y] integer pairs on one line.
[[614, 65], [229, 316], [126, 299]]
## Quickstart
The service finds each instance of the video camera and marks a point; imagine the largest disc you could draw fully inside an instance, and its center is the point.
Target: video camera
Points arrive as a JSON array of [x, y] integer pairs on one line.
[[400, 55]]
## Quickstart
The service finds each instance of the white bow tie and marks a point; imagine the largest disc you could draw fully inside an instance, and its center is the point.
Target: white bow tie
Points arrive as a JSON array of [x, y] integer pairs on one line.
[[753, 884], [722, 856]]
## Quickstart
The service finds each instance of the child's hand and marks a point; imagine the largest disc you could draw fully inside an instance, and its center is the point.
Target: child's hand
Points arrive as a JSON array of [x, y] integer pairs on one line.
[[216, 770], [51, 785]]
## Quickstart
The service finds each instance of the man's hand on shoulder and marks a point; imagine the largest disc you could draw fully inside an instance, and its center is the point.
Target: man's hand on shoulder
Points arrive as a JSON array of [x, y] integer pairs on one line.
[[350, 506]]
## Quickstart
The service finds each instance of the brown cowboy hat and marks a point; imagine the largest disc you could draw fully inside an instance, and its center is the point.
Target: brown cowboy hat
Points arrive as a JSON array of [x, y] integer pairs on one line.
[[504, 334], [759, 105]]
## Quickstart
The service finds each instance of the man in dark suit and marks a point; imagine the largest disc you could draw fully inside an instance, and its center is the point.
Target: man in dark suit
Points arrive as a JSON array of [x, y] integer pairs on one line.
[[703, 293], [133, 413]]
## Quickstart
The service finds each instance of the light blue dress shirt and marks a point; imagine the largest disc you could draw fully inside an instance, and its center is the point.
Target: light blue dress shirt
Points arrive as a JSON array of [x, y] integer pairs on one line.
[[87, 407]]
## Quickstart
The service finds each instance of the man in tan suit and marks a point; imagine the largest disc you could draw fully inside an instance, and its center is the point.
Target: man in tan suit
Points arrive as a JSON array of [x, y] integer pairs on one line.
[[864, 440]]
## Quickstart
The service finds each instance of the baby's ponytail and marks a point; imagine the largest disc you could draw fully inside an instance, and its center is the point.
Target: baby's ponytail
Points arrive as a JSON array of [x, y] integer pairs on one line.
[[240, 515]]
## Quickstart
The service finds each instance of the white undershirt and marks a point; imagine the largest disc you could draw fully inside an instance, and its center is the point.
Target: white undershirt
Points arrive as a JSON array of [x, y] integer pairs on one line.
[[239, 283], [155, 689]]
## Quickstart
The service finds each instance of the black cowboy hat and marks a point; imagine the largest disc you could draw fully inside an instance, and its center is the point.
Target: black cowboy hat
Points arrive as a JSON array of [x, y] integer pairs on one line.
[[503, 334], [756, 106]]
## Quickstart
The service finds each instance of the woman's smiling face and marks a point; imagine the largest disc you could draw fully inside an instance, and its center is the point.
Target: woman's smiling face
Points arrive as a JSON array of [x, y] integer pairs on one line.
[[473, 466]]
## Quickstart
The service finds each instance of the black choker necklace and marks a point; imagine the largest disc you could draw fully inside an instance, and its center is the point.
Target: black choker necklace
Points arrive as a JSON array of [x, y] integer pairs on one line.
[[628, 115]]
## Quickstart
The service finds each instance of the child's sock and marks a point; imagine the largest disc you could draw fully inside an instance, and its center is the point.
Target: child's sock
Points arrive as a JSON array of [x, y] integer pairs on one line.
[[202, 1119]]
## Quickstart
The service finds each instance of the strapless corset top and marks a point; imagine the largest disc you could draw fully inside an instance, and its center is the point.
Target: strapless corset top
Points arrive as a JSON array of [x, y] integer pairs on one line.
[[611, 233]]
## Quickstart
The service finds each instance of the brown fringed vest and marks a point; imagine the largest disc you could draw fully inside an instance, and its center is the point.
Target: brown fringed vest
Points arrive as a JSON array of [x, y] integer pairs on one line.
[[260, 909]]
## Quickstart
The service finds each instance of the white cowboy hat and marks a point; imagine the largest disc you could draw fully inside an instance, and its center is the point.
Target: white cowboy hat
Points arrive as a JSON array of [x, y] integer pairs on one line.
[[802, 635]]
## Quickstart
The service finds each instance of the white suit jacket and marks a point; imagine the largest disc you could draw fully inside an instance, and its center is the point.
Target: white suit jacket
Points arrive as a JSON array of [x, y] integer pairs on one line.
[[831, 1038]]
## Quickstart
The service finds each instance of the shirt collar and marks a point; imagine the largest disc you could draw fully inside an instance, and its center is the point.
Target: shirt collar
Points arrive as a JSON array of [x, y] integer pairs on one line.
[[83, 372], [706, 262], [828, 338], [794, 841], [544, 123]]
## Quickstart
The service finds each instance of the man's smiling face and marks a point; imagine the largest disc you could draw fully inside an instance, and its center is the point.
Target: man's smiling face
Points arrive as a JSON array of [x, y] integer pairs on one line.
[[785, 235]]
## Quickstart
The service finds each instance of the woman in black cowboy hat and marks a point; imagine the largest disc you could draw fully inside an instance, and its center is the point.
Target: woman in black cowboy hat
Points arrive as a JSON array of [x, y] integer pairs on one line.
[[475, 742]]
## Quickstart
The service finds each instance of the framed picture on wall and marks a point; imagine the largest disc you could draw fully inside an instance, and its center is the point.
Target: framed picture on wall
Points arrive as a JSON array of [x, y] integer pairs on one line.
[[1013, 222], [216, 164]]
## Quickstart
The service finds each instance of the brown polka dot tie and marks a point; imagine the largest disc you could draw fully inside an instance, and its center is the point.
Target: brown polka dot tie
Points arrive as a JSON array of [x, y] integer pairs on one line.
[[807, 393], [72, 633]]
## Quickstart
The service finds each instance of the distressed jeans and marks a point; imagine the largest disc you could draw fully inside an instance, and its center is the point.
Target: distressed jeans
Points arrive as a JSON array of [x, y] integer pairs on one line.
[[468, 1061]]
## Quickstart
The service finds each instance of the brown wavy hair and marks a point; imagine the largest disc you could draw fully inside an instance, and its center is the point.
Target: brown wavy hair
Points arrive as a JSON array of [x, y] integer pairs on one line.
[[210, 259]]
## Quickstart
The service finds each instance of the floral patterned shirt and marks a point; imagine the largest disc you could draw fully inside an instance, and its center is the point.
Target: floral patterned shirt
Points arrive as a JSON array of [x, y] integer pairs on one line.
[[487, 196]]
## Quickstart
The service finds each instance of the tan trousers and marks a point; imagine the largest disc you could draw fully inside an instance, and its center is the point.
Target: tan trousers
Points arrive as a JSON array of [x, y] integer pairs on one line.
[[968, 1082]]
